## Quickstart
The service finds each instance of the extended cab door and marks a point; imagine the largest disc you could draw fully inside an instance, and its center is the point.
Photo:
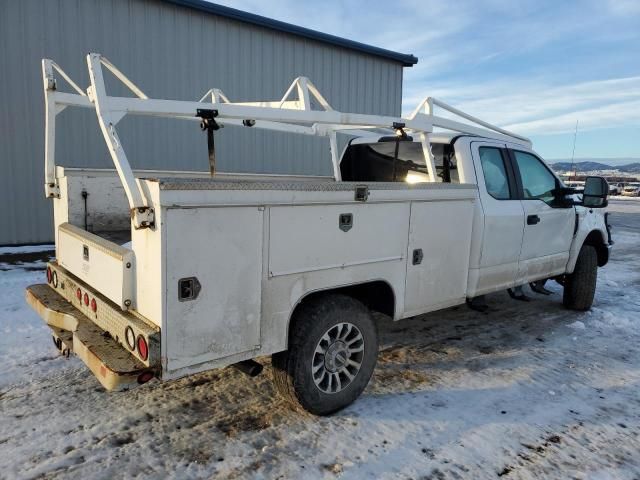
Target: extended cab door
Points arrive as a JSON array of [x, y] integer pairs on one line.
[[495, 266], [549, 223]]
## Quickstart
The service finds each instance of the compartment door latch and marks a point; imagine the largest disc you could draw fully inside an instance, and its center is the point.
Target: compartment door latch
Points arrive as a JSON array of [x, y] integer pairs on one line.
[[417, 256], [362, 193], [188, 289]]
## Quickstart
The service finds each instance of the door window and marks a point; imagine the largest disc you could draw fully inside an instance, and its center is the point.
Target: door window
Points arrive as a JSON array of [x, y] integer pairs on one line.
[[538, 183], [495, 173]]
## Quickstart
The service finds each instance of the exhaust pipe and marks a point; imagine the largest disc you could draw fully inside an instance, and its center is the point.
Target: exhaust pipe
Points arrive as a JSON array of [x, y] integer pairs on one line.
[[249, 367]]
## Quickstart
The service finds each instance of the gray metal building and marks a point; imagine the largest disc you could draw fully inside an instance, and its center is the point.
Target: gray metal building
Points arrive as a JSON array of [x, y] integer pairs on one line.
[[174, 49]]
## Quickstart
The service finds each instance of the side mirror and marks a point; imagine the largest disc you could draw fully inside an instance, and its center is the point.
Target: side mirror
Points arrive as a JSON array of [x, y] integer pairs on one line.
[[595, 192]]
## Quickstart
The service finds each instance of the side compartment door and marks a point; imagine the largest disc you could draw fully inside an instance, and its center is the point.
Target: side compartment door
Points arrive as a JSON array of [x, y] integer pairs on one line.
[[438, 254], [213, 287], [503, 217], [549, 224]]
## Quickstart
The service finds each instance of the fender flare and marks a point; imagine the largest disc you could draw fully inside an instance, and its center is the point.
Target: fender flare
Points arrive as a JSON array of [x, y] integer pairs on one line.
[[597, 238]]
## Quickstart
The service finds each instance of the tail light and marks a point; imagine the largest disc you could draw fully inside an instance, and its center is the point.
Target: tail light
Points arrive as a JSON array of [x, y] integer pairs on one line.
[[86, 299], [94, 304], [54, 279], [79, 294], [49, 275], [143, 350]]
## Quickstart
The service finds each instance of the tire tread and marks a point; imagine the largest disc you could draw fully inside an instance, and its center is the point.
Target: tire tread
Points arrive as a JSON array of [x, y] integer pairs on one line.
[[580, 286]]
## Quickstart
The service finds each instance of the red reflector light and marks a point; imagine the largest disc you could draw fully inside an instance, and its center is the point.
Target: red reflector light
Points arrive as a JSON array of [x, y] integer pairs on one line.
[[142, 347], [86, 299], [145, 377], [49, 275], [94, 305], [79, 294]]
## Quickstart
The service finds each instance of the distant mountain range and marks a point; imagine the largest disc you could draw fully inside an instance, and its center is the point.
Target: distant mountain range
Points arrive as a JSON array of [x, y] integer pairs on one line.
[[623, 165]]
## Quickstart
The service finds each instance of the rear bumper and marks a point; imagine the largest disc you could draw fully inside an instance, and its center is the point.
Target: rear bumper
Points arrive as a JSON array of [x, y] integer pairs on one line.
[[114, 366], [126, 327]]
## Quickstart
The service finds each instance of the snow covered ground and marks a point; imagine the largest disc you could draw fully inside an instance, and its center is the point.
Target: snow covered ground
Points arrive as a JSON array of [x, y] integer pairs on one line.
[[529, 390], [623, 198]]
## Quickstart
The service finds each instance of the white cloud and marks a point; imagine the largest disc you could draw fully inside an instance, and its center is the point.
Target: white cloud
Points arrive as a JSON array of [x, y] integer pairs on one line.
[[531, 108], [606, 116], [624, 7]]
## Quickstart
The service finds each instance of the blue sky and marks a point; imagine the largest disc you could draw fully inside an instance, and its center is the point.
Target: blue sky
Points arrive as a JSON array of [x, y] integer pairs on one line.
[[533, 66]]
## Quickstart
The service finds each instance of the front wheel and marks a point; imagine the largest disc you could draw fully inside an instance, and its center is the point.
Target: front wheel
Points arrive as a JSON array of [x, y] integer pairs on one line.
[[580, 286], [333, 348]]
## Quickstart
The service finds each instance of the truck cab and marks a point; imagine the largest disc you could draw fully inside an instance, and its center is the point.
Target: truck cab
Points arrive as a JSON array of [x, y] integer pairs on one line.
[[527, 226]]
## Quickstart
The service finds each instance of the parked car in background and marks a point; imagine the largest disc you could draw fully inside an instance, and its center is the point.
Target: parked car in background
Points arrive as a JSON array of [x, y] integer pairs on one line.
[[615, 188], [632, 190]]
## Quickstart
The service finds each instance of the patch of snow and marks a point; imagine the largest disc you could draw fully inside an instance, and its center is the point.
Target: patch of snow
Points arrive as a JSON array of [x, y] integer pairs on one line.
[[26, 348], [618, 319], [26, 249], [622, 197]]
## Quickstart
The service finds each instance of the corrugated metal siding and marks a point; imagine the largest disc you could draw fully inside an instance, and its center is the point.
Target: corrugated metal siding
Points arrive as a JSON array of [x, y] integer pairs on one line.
[[170, 52]]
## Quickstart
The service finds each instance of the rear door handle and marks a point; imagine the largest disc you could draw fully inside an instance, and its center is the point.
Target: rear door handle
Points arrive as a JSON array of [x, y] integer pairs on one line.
[[533, 219]]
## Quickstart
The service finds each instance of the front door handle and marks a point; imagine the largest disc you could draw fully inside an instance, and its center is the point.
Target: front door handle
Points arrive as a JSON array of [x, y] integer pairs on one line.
[[533, 219]]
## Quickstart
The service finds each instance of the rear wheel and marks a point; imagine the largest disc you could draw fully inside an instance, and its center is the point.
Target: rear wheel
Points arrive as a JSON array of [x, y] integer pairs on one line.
[[580, 286], [333, 348]]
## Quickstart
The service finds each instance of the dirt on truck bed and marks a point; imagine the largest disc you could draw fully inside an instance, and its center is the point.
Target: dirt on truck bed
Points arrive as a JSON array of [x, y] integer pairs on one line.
[[527, 390]]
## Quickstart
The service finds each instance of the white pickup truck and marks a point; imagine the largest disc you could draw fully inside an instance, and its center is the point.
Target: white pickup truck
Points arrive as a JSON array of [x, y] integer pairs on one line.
[[165, 274]]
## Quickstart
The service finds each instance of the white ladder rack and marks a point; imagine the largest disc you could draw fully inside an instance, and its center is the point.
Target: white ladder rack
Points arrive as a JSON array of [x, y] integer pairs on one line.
[[294, 113]]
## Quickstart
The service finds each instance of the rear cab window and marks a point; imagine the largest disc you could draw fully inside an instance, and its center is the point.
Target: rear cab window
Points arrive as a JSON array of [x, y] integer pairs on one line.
[[377, 162]]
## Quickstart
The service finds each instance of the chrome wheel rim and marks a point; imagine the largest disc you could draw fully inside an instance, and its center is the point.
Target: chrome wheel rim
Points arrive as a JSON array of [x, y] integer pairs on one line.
[[337, 358]]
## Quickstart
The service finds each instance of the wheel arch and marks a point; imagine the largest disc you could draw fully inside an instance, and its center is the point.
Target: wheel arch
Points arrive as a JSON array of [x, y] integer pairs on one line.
[[597, 239], [377, 295]]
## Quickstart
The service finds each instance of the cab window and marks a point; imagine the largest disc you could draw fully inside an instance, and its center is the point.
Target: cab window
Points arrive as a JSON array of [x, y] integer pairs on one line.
[[376, 162], [495, 173], [538, 183]]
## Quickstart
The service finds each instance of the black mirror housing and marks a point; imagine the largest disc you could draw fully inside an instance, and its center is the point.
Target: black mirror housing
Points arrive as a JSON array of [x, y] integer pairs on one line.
[[596, 190]]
